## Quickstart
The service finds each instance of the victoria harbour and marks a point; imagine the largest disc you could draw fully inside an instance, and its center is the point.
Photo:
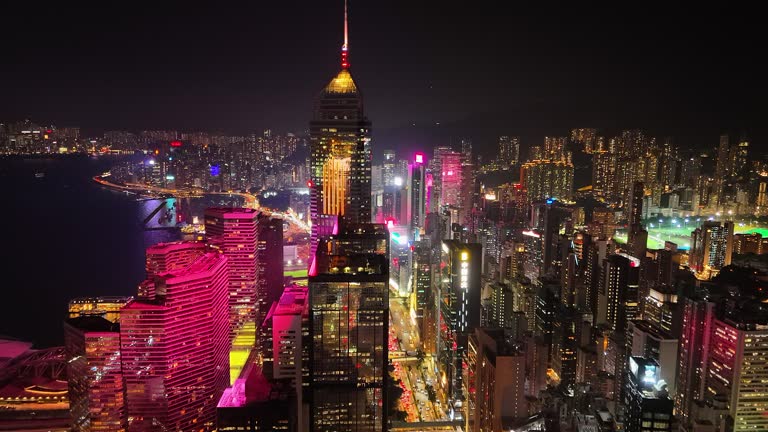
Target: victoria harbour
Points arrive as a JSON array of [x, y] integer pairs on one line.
[[74, 238]]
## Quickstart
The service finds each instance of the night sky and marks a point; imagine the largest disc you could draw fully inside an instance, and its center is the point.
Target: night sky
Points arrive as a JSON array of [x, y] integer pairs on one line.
[[472, 67]]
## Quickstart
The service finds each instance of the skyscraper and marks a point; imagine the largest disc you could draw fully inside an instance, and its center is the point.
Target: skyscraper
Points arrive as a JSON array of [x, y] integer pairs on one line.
[[738, 370], [649, 407], [96, 387], [340, 153], [417, 192], [548, 177], [174, 348], [509, 150], [269, 261], [459, 299], [697, 320], [349, 318], [235, 232], [711, 247], [618, 297]]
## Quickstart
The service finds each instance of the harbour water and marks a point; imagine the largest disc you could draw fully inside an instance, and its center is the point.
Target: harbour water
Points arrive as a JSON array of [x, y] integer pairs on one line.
[[65, 236]]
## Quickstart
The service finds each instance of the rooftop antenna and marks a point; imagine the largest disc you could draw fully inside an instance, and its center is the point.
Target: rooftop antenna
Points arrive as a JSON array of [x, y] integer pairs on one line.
[[344, 48]]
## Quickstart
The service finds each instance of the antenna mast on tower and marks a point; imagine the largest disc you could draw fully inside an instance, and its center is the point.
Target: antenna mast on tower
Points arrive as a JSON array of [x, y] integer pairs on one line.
[[344, 48]]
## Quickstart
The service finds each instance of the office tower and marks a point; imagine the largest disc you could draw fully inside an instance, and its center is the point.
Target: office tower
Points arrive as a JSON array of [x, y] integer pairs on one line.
[[255, 403], [388, 168], [269, 262], [603, 224], [501, 304], [740, 159], [711, 248], [165, 257], [460, 295], [697, 322], [547, 178], [422, 277], [511, 260], [722, 168], [96, 386], [340, 149], [285, 344], [235, 232], [107, 307], [495, 377], [737, 370], [618, 297], [174, 348], [635, 205], [451, 177], [509, 150], [418, 192], [661, 309], [648, 407], [748, 244], [566, 335], [550, 218], [650, 341], [349, 316]]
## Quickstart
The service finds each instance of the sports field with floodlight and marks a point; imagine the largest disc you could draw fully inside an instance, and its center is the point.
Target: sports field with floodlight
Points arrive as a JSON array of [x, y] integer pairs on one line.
[[679, 231]]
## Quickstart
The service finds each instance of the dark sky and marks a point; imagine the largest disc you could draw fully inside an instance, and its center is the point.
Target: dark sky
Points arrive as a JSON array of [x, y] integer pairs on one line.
[[477, 69]]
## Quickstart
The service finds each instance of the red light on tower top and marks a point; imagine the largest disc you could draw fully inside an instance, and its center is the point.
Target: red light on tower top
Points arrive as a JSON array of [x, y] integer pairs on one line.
[[175, 143], [345, 47]]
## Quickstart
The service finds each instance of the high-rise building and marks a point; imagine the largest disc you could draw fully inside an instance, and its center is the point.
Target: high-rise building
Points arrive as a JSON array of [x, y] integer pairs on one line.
[[648, 407], [451, 177], [618, 298], [697, 321], [269, 262], [174, 348], [235, 232], [417, 193], [460, 295], [349, 316], [422, 279], [340, 154], [165, 257], [547, 178], [495, 379], [711, 247], [650, 341], [738, 370], [509, 150], [96, 387]]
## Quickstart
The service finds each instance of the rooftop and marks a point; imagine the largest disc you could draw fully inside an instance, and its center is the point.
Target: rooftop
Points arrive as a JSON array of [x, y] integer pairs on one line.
[[93, 323], [342, 83]]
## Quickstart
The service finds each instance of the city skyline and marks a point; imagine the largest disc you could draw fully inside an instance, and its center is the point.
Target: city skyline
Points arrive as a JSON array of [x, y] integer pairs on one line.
[[476, 72], [589, 279]]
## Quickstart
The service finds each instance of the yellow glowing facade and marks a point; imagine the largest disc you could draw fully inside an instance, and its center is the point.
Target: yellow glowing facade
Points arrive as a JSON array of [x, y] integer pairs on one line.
[[335, 185]]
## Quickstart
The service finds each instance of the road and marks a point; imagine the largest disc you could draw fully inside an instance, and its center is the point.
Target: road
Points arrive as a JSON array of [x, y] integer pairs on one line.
[[416, 376], [250, 200]]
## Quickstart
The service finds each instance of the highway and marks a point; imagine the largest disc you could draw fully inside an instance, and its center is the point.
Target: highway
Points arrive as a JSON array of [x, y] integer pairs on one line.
[[250, 200]]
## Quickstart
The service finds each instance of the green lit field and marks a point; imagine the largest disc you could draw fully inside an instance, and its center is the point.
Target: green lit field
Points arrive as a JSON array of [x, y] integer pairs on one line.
[[678, 231], [296, 273]]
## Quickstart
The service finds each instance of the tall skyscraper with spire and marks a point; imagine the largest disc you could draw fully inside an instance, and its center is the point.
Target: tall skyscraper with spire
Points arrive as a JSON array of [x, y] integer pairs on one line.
[[340, 164]]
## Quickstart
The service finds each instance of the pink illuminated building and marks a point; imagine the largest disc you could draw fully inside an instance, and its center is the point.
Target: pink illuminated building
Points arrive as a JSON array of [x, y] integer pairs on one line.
[[96, 392], [175, 348], [164, 257], [235, 232], [450, 178]]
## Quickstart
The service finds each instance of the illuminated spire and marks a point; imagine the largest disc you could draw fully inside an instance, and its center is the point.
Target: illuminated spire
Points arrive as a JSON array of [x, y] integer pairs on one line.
[[344, 54]]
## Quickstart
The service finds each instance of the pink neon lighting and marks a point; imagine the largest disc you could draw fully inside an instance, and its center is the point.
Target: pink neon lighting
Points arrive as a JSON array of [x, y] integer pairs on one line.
[[419, 158]]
